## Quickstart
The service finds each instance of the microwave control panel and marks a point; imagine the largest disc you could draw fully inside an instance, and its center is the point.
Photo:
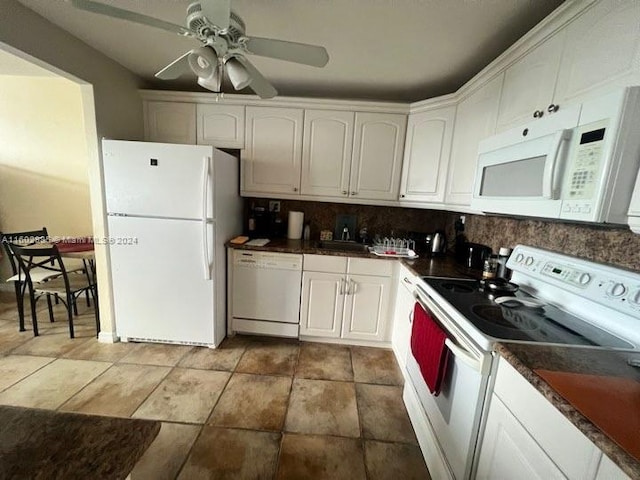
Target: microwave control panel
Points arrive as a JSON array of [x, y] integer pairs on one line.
[[586, 163]]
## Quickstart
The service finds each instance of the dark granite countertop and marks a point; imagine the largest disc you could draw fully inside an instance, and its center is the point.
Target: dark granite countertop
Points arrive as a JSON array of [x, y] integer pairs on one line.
[[596, 389], [441, 266], [44, 444]]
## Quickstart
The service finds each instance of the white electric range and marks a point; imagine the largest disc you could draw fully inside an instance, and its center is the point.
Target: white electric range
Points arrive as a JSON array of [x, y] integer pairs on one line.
[[561, 300]]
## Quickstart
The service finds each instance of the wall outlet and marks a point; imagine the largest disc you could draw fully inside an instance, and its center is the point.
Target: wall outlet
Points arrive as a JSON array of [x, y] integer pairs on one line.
[[274, 206]]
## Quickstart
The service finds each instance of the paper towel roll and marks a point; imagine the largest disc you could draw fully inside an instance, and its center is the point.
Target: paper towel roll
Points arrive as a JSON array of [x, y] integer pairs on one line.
[[296, 221]]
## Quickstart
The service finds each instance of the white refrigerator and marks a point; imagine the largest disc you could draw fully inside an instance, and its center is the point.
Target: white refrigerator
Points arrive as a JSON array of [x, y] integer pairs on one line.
[[170, 209]]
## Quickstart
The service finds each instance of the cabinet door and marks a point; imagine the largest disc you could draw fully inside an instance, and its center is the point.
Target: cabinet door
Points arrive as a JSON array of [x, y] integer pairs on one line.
[[327, 147], [377, 156], [529, 84], [602, 51], [475, 120], [366, 307], [403, 317], [610, 471], [271, 160], [508, 451], [322, 304], [426, 155], [170, 122], [221, 125], [634, 207]]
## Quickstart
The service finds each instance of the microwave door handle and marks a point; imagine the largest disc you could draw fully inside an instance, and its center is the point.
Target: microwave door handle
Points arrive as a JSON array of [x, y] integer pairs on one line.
[[551, 177]]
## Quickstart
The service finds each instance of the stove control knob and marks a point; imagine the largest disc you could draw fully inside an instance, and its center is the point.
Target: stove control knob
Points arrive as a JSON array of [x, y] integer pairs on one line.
[[584, 279], [616, 290], [519, 258], [634, 298], [529, 261]]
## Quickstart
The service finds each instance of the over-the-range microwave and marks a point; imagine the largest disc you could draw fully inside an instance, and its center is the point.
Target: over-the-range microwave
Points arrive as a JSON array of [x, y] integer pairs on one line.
[[578, 164]]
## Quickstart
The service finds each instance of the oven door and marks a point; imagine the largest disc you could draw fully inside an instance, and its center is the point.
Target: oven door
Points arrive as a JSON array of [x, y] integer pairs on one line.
[[454, 415]]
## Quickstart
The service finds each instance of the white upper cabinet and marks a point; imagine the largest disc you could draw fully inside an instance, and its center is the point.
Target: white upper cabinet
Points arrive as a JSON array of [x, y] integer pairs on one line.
[[170, 122], [377, 156], [327, 147], [475, 120], [602, 51], [273, 150], [426, 155], [220, 125], [529, 84]]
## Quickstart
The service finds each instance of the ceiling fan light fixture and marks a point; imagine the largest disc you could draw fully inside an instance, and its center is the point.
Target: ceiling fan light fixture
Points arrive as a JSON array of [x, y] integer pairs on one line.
[[211, 83], [237, 73], [203, 62]]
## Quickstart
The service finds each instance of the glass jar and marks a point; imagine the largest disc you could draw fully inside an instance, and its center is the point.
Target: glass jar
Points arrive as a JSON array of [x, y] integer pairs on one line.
[[490, 268]]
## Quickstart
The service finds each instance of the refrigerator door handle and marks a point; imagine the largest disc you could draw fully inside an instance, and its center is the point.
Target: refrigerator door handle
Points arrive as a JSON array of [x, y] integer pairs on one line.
[[205, 235]]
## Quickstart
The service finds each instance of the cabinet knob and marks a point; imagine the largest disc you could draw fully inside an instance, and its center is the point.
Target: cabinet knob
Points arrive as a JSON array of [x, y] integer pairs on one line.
[[344, 192], [295, 189], [402, 195], [354, 193], [553, 108], [538, 114]]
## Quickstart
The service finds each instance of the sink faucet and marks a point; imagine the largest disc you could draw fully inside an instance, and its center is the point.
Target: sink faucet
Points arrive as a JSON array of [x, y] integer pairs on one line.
[[345, 234]]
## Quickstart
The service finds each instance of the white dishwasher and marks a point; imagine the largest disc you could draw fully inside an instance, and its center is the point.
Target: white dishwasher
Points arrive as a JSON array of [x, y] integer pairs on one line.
[[266, 293]]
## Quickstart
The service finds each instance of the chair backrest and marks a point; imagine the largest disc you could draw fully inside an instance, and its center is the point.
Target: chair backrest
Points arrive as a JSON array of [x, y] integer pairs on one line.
[[30, 237], [32, 257]]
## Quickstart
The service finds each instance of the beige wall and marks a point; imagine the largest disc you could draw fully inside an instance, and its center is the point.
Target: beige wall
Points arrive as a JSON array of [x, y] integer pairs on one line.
[[43, 156], [117, 103]]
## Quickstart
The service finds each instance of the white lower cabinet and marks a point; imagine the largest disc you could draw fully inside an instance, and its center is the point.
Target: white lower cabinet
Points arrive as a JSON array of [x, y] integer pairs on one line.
[[346, 298], [508, 451], [525, 437], [403, 316], [322, 304]]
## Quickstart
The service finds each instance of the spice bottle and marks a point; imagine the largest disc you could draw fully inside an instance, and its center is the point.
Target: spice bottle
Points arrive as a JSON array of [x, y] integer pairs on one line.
[[490, 267]]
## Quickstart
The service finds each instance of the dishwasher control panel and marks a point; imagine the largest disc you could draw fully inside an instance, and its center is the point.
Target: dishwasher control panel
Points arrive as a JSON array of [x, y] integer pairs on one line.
[[279, 261]]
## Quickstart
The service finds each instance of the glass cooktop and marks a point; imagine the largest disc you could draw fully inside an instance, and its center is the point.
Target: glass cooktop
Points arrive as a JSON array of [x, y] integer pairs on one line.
[[514, 321]]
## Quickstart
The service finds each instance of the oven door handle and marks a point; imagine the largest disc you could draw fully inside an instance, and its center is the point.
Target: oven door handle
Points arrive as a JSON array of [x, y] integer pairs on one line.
[[464, 356]]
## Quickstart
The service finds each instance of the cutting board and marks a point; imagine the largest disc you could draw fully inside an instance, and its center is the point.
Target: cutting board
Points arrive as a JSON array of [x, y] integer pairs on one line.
[[611, 403]]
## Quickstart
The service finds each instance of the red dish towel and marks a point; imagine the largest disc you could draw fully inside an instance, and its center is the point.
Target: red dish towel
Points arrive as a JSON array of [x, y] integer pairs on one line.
[[428, 348]]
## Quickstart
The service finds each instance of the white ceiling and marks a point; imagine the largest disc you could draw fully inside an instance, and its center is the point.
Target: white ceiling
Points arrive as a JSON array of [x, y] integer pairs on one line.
[[404, 50]]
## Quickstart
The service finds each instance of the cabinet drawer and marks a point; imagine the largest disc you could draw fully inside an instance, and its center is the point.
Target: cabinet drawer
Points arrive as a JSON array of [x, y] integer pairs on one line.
[[574, 453], [325, 263], [371, 266]]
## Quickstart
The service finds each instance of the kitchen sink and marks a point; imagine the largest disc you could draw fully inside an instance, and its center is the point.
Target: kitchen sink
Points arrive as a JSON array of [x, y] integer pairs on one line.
[[343, 246]]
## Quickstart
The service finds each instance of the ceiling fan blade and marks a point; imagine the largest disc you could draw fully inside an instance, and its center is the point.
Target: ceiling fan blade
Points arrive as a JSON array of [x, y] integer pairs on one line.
[[217, 12], [108, 10], [258, 83], [313, 55], [175, 68]]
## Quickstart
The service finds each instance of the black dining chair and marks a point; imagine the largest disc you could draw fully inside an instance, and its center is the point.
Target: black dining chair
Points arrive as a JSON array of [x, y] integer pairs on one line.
[[67, 287], [18, 278]]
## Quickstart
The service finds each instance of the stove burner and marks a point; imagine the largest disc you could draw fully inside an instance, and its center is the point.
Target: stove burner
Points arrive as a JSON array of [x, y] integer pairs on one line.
[[457, 288], [496, 315]]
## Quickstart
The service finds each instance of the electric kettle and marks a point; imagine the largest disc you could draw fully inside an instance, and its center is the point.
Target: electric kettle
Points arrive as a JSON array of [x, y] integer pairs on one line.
[[438, 243]]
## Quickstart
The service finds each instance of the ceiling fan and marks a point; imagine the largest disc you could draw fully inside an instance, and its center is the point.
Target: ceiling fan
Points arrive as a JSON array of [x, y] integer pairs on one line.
[[225, 45]]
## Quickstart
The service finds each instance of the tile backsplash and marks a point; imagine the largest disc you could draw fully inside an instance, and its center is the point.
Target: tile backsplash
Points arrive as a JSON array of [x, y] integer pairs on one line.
[[614, 245], [378, 220]]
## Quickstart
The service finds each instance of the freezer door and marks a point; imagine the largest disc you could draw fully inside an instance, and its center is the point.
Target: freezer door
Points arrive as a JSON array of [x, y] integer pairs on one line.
[[158, 179], [162, 279]]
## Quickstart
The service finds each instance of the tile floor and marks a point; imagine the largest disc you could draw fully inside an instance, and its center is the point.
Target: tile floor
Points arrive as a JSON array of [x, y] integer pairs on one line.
[[254, 408]]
